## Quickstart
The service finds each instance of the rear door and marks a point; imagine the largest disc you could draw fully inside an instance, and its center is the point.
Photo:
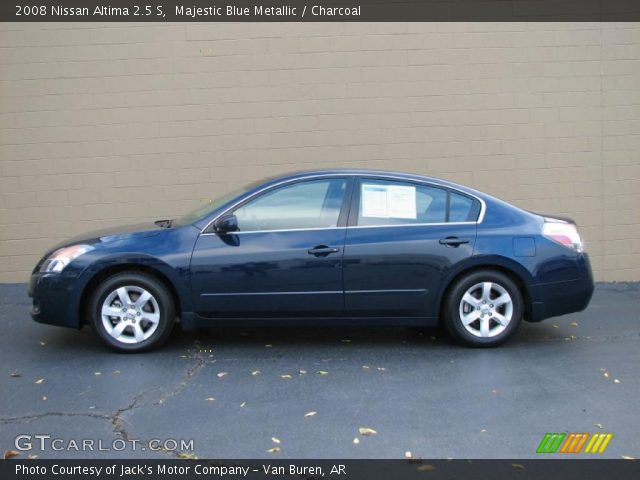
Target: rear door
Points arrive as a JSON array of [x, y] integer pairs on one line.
[[402, 239]]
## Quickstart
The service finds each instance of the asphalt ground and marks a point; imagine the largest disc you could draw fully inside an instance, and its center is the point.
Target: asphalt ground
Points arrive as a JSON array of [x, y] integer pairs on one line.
[[237, 393]]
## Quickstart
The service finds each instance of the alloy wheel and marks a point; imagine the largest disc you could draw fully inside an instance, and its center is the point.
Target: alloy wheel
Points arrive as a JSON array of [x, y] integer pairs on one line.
[[130, 314], [486, 309]]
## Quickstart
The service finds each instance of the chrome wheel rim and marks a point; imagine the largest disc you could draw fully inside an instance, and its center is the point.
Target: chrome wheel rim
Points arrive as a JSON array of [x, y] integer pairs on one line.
[[130, 314], [486, 309]]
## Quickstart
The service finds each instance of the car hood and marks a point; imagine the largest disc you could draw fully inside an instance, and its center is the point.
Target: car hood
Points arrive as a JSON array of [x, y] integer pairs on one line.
[[113, 234]]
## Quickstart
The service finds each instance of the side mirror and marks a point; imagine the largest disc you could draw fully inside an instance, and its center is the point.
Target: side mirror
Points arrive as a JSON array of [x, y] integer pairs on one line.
[[226, 223]]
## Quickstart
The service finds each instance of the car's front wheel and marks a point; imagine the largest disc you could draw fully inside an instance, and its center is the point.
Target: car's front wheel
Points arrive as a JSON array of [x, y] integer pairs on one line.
[[483, 309], [132, 312]]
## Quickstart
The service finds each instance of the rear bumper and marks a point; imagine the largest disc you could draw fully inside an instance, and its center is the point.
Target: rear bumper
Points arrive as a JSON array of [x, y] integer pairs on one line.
[[54, 301], [560, 298]]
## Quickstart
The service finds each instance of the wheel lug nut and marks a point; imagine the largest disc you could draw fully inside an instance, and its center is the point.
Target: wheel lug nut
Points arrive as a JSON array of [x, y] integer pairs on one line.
[[491, 305]]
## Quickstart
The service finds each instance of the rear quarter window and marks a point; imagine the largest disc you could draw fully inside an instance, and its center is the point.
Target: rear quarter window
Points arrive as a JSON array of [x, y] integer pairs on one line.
[[463, 208]]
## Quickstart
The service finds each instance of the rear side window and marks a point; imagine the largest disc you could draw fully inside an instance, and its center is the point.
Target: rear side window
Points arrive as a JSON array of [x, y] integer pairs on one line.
[[385, 202]]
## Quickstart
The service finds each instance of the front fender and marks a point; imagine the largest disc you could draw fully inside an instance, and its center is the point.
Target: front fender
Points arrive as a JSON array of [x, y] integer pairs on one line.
[[177, 278]]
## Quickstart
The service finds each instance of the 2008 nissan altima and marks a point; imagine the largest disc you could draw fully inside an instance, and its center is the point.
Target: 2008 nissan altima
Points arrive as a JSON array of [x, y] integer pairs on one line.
[[325, 247]]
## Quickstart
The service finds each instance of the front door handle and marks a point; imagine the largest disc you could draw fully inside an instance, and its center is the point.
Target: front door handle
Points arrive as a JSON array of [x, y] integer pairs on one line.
[[452, 241], [322, 250]]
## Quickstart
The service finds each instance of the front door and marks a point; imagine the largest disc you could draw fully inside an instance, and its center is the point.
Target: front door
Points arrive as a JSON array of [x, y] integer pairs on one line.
[[284, 261]]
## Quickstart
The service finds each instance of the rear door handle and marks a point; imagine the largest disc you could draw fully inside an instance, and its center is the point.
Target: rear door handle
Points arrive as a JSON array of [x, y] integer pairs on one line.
[[452, 241], [322, 250]]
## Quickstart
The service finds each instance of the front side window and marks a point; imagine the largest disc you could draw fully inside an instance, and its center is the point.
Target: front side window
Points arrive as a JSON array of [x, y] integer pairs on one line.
[[385, 202], [310, 204]]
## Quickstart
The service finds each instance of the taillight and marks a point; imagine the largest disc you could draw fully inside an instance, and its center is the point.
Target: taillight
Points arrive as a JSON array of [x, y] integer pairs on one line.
[[563, 232]]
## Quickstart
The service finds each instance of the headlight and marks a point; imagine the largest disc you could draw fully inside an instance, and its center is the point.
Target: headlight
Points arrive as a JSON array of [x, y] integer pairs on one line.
[[61, 258]]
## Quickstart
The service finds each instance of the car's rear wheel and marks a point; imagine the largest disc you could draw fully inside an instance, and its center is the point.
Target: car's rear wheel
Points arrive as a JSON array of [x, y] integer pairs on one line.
[[483, 309], [132, 312]]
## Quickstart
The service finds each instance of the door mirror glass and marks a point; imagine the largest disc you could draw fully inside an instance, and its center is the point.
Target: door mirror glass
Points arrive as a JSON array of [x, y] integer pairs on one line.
[[226, 223]]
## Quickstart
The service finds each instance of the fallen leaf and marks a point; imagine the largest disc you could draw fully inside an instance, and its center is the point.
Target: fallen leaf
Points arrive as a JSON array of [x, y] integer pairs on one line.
[[606, 374], [408, 455], [268, 345], [210, 399], [382, 369], [15, 374], [116, 372], [625, 457], [32, 457], [345, 340], [10, 453], [243, 404], [44, 398], [599, 425], [518, 466], [426, 468], [310, 414], [186, 455], [366, 367], [366, 431], [274, 450], [222, 374], [40, 381], [322, 372], [494, 392], [302, 372], [356, 441], [285, 376], [275, 440], [255, 372], [555, 326], [42, 344], [615, 380], [97, 373], [484, 430], [574, 324]]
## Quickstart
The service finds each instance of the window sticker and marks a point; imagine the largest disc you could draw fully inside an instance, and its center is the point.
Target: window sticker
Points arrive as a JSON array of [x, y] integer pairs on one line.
[[388, 201], [374, 201], [402, 202]]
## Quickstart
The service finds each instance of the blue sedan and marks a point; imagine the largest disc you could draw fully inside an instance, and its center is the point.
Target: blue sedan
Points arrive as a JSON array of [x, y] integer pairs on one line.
[[331, 247]]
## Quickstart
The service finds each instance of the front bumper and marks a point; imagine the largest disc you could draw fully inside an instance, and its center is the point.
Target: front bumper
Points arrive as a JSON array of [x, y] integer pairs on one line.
[[54, 299]]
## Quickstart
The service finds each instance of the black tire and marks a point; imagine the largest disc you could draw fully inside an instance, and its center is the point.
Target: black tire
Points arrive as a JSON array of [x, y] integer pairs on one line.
[[163, 303], [452, 309]]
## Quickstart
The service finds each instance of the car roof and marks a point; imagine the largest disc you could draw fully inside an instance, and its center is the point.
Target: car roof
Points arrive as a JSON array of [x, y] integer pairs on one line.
[[374, 173]]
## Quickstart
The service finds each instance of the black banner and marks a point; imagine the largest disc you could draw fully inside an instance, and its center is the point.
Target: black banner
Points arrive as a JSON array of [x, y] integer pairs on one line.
[[548, 469], [317, 11]]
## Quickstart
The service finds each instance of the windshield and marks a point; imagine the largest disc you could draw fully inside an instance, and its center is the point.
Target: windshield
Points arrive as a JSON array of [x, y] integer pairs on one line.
[[210, 206]]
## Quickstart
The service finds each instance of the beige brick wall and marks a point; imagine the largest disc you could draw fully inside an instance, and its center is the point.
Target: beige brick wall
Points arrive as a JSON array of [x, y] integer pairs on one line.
[[102, 124]]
